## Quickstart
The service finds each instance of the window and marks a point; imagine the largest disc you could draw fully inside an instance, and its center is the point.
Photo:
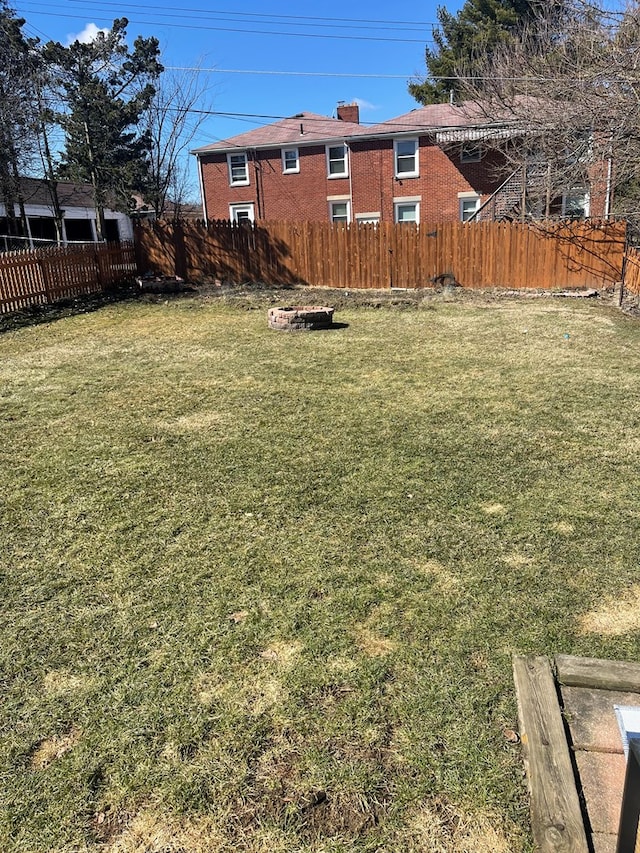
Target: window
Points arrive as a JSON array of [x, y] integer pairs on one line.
[[339, 211], [470, 154], [406, 211], [575, 204], [469, 204], [406, 157], [238, 169], [241, 213], [367, 218], [337, 161], [290, 160]]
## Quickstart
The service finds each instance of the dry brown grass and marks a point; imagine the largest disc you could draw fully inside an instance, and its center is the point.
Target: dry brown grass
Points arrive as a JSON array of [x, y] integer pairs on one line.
[[436, 826], [619, 614], [53, 748]]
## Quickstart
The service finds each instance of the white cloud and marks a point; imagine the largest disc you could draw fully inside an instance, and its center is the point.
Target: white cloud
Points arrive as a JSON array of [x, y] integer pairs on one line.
[[364, 105], [87, 35]]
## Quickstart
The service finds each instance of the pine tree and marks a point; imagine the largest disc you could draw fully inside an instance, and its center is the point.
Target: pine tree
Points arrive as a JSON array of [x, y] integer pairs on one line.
[[105, 87], [461, 39]]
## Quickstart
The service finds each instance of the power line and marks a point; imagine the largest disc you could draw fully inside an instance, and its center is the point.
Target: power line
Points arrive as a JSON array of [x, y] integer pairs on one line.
[[429, 77], [289, 73], [333, 36], [209, 12]]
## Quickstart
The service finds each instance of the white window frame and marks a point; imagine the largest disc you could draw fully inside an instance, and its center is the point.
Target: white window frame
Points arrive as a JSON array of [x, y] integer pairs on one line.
[[344, 174], [406, 202], [335, 201], [240, 182], [466, 197], [471, 153], [413, 173], [288, 170], [245, 207]]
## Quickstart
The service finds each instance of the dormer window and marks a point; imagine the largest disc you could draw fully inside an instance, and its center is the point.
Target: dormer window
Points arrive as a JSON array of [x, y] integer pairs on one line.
[[238, 169]]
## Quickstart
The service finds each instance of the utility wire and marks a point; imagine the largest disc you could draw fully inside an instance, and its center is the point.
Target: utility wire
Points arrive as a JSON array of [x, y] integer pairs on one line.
[[288, 73], [209, 12], [196, 26]]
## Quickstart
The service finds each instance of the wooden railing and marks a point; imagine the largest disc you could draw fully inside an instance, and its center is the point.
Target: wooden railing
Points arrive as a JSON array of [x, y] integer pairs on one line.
[[44, 276]]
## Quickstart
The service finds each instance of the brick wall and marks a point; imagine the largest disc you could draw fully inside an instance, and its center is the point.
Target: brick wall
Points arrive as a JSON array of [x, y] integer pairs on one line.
[[372, 186]]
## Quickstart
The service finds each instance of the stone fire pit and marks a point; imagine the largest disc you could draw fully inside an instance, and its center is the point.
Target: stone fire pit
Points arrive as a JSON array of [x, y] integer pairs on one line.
[[300, 318]]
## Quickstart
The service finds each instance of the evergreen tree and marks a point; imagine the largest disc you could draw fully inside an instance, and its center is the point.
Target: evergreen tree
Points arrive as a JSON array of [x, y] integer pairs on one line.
[[105, 87], [462, 39]]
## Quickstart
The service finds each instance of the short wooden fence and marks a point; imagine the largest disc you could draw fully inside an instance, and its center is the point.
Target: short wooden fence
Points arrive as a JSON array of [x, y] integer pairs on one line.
[[475, 255], [44, 276]]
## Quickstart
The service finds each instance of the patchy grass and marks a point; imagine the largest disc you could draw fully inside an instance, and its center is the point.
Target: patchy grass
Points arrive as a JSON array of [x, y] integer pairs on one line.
[[261, 590]]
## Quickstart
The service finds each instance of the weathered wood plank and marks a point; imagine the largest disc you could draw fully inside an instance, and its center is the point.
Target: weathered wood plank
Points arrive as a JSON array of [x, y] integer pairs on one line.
[[602, 674], [556, 817]]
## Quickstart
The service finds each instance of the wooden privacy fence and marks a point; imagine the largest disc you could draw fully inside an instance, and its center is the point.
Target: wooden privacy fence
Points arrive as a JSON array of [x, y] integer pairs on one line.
[[48, 275], [632, 271], [476, 255]]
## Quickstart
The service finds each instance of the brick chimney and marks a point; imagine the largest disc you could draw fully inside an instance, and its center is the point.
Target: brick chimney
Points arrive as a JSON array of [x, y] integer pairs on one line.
[[349, 112]]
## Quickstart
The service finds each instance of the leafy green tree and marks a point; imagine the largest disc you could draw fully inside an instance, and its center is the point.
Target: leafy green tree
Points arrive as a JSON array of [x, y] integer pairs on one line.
[[105, 87], [464, 38]]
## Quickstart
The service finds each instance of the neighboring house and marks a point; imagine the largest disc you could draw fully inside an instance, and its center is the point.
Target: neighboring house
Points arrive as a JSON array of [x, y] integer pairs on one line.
[[428, 165], [79, 216]]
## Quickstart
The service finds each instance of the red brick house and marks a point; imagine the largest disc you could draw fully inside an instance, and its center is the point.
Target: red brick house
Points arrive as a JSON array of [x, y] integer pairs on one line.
[[427, 165]]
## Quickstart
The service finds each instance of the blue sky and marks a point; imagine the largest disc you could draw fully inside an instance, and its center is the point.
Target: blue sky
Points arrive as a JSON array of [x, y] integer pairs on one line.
[[358, 38]]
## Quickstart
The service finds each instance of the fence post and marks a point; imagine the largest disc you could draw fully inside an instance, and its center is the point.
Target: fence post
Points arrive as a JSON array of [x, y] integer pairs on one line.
[[96, 258], [623, 274], [46, 280]]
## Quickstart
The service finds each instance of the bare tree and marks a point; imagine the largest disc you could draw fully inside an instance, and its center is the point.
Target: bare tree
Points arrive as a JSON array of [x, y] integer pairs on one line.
[[563, 98], [173, 118]]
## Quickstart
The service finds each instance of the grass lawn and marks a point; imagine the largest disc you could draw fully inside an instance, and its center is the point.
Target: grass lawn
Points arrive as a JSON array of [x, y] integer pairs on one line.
[[261, 590]]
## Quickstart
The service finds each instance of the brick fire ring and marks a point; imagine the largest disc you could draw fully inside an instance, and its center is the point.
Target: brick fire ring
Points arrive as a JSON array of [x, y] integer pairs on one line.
[[300, 318]]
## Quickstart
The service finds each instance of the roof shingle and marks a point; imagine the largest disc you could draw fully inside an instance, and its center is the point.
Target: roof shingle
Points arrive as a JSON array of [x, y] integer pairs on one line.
[[305, 128]]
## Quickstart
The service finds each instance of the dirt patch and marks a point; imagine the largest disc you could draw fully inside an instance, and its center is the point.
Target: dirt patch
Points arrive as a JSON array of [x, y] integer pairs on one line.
[[331, 815], [617, 616], [50, 749]]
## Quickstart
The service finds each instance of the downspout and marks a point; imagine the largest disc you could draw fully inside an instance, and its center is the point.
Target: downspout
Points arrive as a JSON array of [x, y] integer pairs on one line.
[[607, 198], [257, 173]]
